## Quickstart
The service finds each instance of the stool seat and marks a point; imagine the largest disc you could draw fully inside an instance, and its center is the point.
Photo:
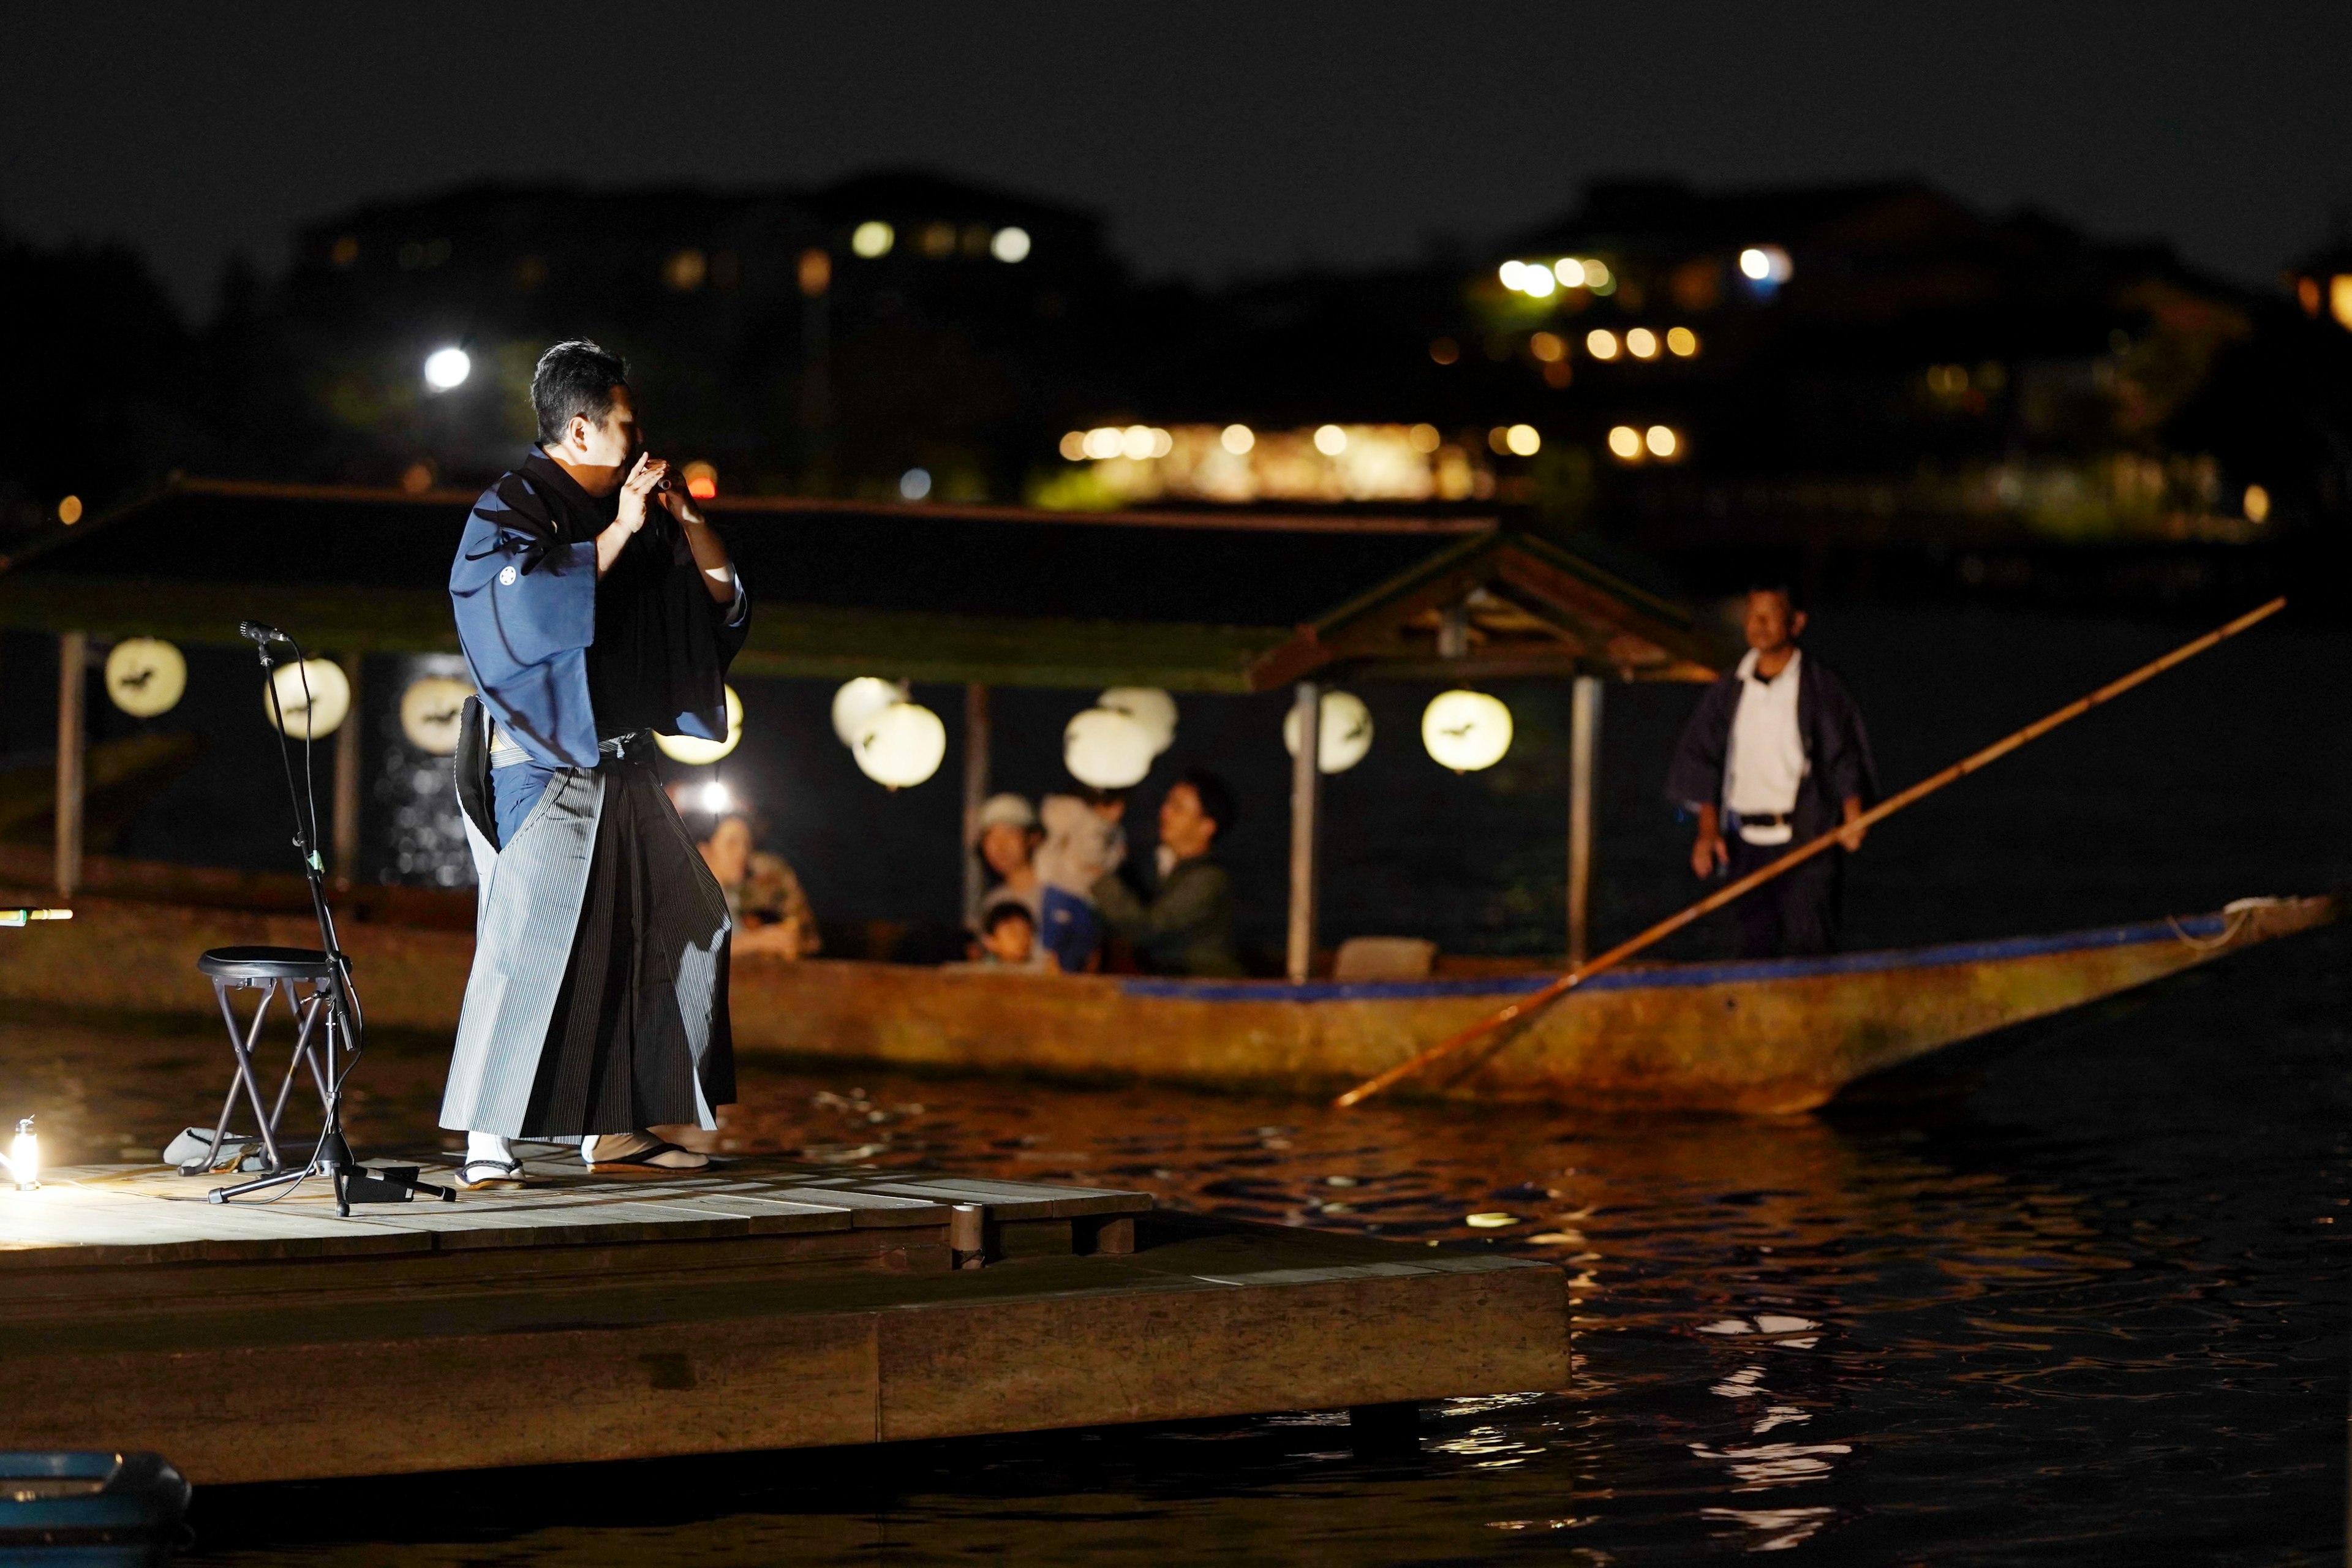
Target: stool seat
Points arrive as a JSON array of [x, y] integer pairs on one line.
[[267, 963]]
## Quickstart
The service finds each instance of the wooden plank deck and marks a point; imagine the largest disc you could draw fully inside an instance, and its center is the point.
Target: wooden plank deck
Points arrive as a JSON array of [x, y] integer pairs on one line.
[[761, 1305]]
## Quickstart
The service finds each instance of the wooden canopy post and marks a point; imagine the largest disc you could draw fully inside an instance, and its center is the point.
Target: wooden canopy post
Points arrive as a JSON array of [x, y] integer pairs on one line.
[[347, 748], [1306, 808], [1583, 753], [73, 682], [975, 793]]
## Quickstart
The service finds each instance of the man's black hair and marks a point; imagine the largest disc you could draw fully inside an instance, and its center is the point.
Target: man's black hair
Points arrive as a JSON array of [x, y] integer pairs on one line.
[[998, 913], [1782, 586], [574, 379], [1216, 799]]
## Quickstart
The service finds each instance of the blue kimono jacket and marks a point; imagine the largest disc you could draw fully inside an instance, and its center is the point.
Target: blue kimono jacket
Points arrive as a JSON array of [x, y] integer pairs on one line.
[[563, 660]]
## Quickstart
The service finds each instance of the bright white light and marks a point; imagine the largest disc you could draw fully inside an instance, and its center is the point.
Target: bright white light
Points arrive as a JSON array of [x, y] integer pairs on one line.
[[24, 1156], [315, 696], [1148, 706], [447, 368], [694, 751], [1010, 245], [1764, 264], [1642, 343], [145, 676], [1236, 439], [1523, 440], [1601, 343], [1511, 272], [1162, 443], [1342, 737], [1135, 442], [1330, 440], [1102, 441], [717, 797], [858, 700], [900, 746], [1536, 282], [1753, 263], [1106, 749], [1465, 731], [1570, 271], [871, 239], [915, 483], [1661, 441], [1625, 442]]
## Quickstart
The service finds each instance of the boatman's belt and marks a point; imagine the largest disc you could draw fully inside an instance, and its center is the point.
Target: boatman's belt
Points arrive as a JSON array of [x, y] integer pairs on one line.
[[506, 751], [1752, 818]]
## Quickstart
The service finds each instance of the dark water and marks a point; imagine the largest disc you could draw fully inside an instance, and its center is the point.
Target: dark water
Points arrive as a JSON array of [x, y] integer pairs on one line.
[[2086, 1307]]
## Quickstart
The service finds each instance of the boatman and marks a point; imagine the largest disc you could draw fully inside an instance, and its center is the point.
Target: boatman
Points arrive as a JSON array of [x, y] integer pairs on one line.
[[595, 607], [1776, 756]]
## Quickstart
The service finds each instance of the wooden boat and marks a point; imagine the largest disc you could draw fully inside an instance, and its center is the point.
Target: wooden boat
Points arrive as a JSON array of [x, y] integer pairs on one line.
[[1754, 1036]]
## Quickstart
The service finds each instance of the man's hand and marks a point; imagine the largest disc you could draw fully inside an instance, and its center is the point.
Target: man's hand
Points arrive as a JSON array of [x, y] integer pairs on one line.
[[1852, 836], [1708, 852], [681, 506], [647, 472]]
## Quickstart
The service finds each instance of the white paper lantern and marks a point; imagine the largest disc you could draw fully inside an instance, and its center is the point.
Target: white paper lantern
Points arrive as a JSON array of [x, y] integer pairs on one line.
[[1106, 749], [1147, 706], [694, 751], [901, 746], [1344, 735], [430, 710], [1465, 731], [858, 700], [319, 712], [145, 676]]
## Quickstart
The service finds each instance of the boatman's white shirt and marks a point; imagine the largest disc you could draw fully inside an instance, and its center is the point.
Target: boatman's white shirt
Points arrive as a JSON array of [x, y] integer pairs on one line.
[[1767, 764]]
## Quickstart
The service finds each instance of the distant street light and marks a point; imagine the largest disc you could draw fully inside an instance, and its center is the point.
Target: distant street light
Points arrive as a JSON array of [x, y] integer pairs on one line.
[[447, 368]]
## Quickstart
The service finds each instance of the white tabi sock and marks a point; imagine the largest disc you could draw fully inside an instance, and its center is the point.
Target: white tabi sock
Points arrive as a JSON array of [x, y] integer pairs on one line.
[[489, 1146]]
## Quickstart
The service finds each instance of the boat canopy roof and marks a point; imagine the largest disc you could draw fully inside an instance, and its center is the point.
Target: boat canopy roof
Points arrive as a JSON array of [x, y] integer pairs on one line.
[[1190, 601]]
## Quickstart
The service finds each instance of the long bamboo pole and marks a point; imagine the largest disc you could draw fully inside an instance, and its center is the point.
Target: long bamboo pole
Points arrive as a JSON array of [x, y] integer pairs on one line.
[[1723, 895]]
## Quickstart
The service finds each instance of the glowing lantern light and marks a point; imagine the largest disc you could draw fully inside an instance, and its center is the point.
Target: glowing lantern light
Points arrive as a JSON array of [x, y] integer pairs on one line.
[[716, 797], [694, 751], [1601, 343], [1570, 271], [145, 676], [1510, 273], [900, 746], [24, 1157], [1147, 706], [1597, 278], [858, 700], [1767, 265], [872, 240], [1010, 245], [1642, 343], [1106, 749], [1682, 343], [1537, 282], [1236, 439], [1342, 738], [1330, 440], [1661, 440], [313, 715], [1524, 440], [1465, 731], [430, 711], [1135, 442], [69, 510], [1102, 441], [1625, 443], [915, 484], [1073, 446], [447, 368], [2257, 504]]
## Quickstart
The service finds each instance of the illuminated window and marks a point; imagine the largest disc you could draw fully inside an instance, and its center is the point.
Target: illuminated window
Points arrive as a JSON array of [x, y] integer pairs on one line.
[[1601, 343], [685, 270], [1642, 343], [872, 240], [1444, 351], [1523, 440], [1625, 443], [1548, 347], [1662, 441], [1682, 343]]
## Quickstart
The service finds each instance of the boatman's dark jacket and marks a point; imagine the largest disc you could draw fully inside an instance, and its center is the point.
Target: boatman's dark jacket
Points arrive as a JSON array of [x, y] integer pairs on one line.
[[1186, 928], [597, 1001], [1837, 750]]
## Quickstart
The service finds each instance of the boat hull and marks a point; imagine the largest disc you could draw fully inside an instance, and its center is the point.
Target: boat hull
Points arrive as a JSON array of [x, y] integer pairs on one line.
[[1759, 1037]]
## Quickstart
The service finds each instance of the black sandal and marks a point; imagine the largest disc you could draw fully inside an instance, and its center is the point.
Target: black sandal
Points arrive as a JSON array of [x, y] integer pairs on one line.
[[495, 1174], [641, 1161]]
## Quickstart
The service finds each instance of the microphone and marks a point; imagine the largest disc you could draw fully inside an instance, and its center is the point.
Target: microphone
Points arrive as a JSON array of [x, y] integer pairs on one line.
[[254, 631]]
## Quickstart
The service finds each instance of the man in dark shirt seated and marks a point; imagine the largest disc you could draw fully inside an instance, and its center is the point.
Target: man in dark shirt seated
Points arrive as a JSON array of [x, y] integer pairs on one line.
[[1187, 926]]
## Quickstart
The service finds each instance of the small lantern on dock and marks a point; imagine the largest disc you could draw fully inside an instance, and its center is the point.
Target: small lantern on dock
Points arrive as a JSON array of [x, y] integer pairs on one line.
[[1466, 731], [1343, 737], [901, 746], [24, 1157]]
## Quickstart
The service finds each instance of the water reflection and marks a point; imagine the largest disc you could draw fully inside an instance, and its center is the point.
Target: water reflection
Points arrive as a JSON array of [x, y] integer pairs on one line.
[[2091, 1302]]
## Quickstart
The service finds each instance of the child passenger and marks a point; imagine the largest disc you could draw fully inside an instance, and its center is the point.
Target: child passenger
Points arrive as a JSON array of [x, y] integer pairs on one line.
[[1084, 842]]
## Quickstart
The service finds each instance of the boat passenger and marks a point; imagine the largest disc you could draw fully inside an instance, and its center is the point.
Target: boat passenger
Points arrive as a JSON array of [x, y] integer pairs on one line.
[[595, 607], [771, 914], [1084, 839], [1776, 756], [1186, 926], [1008, 848]]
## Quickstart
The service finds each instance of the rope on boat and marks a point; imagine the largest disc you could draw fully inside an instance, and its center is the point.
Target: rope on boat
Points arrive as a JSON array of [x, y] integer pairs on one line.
[[2236, 916]]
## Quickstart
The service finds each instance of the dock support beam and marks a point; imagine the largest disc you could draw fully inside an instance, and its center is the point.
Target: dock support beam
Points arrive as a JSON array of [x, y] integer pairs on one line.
[[73, 682], [975, 794], [1305, 808], [346, 840], [1583, 751]]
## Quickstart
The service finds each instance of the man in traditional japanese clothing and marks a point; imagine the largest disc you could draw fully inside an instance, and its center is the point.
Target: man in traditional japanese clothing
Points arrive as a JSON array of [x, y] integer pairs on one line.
[[595, 606], [1776, 756]]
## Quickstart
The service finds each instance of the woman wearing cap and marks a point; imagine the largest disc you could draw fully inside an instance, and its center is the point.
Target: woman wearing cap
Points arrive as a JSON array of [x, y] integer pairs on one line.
[[1008, 844]]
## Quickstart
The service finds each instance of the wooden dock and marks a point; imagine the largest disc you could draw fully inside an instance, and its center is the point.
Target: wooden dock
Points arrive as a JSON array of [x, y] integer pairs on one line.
[[759, 1305]]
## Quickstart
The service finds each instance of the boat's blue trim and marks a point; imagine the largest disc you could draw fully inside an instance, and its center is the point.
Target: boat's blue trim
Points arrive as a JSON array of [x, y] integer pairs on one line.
[[1684, 974]]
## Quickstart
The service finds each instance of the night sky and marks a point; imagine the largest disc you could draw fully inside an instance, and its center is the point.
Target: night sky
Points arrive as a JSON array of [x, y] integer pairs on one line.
[[1220, 139]]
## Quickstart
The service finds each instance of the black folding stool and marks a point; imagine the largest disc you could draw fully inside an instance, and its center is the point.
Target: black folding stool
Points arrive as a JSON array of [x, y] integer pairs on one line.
[[270, 970]]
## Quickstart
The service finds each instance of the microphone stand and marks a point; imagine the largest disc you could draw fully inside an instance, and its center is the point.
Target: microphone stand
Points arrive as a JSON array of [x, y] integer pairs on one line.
[[353, 1182]]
